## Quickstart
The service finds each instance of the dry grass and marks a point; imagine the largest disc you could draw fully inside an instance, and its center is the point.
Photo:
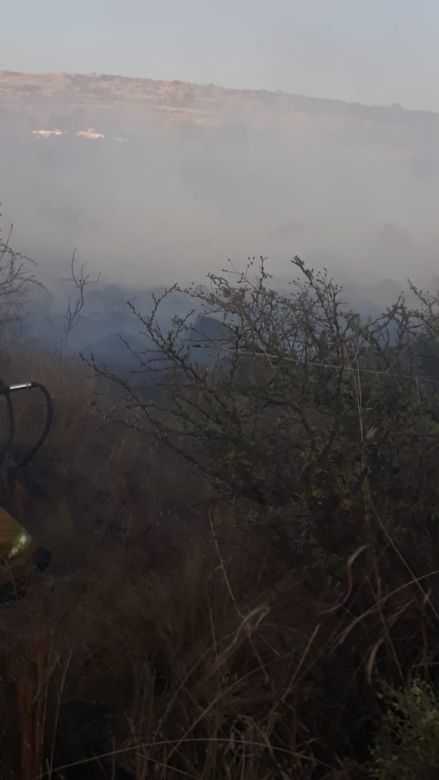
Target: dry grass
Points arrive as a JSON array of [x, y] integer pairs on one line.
[[168, 639], [173, 675]]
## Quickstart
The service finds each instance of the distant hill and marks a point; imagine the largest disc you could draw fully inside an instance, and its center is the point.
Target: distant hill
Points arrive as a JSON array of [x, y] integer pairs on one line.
[[52, 97]]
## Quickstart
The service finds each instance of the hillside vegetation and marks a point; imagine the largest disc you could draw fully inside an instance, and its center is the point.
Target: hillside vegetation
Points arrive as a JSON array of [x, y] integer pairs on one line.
[[245, 548]]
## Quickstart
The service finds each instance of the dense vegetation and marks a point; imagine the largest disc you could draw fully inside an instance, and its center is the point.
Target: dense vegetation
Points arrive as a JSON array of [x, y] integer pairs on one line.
[[246, 547]]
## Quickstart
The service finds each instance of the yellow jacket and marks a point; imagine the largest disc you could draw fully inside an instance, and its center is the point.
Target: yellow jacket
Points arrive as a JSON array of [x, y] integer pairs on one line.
[[16, 544]]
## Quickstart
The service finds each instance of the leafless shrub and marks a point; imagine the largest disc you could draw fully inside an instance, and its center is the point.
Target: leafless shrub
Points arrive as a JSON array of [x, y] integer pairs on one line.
[[80, 279], [16, 279]]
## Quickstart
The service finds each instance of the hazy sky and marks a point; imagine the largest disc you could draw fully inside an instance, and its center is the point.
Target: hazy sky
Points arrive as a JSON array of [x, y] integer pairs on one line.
[[373, 51]]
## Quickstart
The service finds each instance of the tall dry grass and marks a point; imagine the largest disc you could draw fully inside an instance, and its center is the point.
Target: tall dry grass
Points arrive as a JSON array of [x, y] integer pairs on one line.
[[172, 637]]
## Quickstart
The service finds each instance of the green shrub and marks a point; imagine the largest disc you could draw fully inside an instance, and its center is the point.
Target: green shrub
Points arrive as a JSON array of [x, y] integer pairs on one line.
[[408, 744]]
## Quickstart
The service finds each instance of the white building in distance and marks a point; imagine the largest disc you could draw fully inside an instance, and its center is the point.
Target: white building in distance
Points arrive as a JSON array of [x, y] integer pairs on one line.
[[47, 133], [91, 134]]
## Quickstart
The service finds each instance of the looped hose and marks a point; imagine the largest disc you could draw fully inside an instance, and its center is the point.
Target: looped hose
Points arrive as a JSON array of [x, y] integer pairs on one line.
[[7, 391]]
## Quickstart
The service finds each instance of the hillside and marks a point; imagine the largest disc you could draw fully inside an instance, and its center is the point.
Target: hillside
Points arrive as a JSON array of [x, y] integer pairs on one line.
[[104, 96], [237, 498], [244, 560]]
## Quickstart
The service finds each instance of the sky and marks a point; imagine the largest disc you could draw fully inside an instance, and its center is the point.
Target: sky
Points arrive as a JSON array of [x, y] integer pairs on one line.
[[369, 51]]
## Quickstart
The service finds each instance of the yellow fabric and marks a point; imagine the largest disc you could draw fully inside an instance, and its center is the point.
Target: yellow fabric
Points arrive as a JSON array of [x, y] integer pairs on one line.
[[15, 542]]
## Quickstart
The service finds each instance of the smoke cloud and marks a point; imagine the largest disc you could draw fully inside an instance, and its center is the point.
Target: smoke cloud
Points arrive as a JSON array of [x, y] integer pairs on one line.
[[148, 202]]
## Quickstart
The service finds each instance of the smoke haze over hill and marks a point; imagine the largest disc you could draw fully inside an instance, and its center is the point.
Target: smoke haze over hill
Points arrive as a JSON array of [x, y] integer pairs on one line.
[[156, 181]]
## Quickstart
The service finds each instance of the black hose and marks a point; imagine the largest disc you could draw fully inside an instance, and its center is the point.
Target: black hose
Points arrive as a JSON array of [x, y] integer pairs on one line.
[[47, 426], [9, 445], [5, 390]]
